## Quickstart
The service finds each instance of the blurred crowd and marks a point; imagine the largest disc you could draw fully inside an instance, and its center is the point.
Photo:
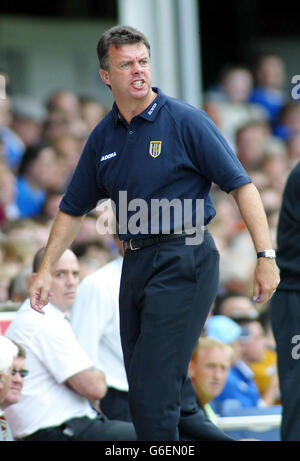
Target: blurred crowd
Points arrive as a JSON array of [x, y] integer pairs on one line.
[[40, 144]]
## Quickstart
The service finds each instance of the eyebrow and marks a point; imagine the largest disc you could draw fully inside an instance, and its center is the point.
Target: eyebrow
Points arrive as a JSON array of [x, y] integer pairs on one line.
[[57, 271], [130, 60]]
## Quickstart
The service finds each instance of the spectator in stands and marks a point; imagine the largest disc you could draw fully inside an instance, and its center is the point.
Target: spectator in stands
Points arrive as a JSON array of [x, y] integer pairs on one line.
[[270, 74], [275, 164], [8, 351], [93, 253], [8, 208], [241, 309], [50, 206], [18, 288], [288, 121], [228, 104], [265, 370], [69, 149], [91, 112], [236, 306], [28, 116], [54, 404], [240, 389], [255, 353], [251, 140], [13, 146], [18, 373], [64, 103], [35, 176], [208, 369]]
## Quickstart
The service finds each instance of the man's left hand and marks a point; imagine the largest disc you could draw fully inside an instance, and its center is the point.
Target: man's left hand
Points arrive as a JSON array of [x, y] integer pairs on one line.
[[266, 280]]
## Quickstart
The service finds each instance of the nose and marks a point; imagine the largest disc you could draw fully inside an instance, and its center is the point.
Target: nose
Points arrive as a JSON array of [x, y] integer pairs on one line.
[[137, 67], [17, 378], [219, 372], [71, 279]]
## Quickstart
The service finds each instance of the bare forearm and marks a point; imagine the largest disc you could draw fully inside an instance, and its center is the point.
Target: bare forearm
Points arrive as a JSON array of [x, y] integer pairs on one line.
[[90, 383], [254, 216], [63, 232], [266, 276]]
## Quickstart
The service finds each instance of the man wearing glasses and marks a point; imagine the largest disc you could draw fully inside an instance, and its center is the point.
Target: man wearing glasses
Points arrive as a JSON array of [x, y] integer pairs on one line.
[[18, 373]]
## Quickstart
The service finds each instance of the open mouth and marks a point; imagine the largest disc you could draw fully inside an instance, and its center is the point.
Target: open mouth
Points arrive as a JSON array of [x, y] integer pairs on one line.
[[138, 83]]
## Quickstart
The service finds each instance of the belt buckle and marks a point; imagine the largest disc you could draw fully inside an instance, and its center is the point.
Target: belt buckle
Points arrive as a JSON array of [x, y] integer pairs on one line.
[[131, 247]]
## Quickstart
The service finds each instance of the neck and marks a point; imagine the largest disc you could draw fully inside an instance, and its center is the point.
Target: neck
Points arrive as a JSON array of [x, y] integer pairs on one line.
[[203, 399], [129, 109]]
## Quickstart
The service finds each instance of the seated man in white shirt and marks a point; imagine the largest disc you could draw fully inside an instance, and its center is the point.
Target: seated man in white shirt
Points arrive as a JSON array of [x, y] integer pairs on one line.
[[18, 373], [54, 405]]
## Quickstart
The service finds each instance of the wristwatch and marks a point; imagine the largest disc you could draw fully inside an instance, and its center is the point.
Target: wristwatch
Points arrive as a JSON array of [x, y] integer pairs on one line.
[[267, 254]]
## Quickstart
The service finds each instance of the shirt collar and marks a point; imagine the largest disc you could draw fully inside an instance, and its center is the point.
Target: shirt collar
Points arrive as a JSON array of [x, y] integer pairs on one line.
[[150, 113]]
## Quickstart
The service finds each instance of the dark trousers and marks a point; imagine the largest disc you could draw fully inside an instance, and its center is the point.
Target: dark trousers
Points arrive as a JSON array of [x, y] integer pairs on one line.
[[85, 430], [194, 425], [285, 317], [166, 292]]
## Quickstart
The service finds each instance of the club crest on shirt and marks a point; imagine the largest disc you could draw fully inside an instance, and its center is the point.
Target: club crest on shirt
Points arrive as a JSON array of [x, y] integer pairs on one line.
[[155, 148]]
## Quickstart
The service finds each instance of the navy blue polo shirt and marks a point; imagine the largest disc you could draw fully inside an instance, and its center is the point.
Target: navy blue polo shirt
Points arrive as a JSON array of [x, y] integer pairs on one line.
[[170, 151]]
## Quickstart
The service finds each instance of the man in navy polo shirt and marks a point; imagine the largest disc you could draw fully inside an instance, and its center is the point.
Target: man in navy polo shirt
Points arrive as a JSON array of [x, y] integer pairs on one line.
[[151, 148]]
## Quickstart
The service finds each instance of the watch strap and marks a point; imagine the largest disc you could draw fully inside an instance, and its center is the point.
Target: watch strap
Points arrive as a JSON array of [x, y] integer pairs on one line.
[[271, 254]]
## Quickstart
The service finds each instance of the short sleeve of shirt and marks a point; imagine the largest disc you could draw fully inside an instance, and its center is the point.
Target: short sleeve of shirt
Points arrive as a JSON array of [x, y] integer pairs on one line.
[[84, 190], [211, 153]]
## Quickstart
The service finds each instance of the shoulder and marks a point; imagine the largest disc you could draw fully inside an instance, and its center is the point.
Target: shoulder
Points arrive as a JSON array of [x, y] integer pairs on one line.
[[30, 326], [181, 108], [188, 116]]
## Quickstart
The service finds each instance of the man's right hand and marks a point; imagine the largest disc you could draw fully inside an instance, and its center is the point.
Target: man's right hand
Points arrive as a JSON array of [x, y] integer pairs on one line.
[[39, 291]]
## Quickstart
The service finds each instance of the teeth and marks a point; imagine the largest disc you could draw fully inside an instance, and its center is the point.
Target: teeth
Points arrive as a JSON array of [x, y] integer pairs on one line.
[[138, 83]]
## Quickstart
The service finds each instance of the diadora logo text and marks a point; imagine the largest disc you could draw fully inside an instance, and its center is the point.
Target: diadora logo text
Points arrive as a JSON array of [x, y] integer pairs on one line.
[[108, 156], [152, 109]]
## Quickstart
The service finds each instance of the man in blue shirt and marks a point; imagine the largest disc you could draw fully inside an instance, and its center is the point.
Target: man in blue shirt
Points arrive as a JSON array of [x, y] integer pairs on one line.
[[153, 147]]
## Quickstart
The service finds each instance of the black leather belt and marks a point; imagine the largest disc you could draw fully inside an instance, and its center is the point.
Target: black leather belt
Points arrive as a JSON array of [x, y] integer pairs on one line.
[[138, 244]]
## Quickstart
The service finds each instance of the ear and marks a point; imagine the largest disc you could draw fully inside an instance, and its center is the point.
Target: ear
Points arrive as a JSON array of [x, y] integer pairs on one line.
[[105, 76], [191, 369]]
